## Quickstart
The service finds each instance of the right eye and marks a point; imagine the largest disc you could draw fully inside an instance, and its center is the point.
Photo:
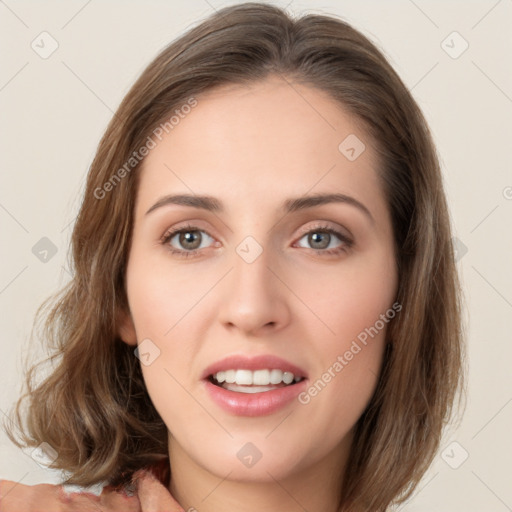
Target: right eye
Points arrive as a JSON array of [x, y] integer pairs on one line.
[[189, 238]]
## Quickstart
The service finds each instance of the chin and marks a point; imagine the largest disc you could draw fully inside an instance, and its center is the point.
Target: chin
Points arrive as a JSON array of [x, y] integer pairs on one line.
[[260, 460]]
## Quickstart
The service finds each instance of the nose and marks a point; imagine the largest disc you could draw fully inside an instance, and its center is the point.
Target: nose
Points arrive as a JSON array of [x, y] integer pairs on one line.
[[254, 297]]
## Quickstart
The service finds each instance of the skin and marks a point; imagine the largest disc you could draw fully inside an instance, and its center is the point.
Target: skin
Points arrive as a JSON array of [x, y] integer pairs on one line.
[[252, 147]]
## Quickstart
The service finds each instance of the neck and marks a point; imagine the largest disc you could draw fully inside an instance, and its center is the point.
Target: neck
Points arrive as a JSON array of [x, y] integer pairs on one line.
[[315, 487]]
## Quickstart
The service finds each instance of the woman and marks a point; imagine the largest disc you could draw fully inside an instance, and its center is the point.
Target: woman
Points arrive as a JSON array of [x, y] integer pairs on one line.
[[265, 309]]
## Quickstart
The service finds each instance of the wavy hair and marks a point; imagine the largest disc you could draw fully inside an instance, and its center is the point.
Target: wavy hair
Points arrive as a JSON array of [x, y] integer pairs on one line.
[[93, 407]]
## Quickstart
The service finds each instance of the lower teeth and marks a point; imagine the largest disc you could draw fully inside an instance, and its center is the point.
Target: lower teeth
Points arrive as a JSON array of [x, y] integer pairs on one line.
[[250, 389]]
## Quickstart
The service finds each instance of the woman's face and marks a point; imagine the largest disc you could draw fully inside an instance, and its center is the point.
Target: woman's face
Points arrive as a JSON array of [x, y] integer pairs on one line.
[[256, 281]]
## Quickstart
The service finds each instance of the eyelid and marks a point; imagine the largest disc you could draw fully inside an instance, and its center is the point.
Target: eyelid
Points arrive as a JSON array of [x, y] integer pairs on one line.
[[193, 225], [325, 224]]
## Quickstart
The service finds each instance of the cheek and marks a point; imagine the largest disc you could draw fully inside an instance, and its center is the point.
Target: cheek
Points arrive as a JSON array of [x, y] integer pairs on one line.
[[163, 316], [347, 299], [161, 295], [354, 306], [346, 378]]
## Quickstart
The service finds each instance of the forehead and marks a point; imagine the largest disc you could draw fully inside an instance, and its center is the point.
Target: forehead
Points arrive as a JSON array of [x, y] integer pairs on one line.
[[264, 141]]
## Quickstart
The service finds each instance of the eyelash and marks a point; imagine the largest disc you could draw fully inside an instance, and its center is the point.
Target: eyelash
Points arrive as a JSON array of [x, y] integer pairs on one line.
[[320, 228]]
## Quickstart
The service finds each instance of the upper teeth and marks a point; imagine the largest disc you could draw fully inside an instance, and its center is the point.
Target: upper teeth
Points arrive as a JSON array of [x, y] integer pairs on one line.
[[258, 377]]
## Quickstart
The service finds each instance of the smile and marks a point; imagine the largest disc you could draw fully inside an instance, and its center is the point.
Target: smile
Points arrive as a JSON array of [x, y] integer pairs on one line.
[[259, 381], [253, 386]]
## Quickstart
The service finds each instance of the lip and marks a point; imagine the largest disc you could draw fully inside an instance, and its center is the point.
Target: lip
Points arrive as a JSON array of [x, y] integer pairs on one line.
[[253, 404], [263, 362]]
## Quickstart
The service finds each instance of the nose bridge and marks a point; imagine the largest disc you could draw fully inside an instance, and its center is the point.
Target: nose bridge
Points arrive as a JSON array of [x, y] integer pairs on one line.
[[253, 251], [252, 297], [251, 275]]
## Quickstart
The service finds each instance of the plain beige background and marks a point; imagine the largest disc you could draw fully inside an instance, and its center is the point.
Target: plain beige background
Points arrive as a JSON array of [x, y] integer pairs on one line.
[[54, 109]]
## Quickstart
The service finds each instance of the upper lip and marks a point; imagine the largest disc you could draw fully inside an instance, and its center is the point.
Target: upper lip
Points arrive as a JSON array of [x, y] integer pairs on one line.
[[262, 362]]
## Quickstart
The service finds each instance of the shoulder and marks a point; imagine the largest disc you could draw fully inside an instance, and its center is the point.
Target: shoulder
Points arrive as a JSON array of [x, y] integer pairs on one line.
[[17, 497]]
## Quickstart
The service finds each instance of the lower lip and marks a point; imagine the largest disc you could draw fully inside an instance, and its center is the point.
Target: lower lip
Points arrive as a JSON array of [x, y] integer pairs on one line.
[[254, 404]]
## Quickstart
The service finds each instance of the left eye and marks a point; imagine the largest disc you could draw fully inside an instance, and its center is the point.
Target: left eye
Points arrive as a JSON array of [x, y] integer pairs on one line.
[[321, 239]]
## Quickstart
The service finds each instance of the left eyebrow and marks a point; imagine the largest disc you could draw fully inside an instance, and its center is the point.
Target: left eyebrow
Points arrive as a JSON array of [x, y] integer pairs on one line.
[[213, 204], [301, 203]]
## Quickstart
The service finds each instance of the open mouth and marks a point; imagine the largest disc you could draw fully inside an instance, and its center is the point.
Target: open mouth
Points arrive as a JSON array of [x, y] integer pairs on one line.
[[258, 381]]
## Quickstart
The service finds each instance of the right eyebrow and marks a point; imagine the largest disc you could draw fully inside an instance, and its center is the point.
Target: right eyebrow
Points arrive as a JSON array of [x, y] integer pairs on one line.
[[204, 202]]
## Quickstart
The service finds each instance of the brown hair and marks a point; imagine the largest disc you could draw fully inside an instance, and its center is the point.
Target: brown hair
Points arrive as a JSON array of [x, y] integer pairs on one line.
[[93, 408]]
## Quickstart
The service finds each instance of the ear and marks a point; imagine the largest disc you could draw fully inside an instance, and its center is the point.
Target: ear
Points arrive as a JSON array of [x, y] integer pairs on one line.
[[126, 328]]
